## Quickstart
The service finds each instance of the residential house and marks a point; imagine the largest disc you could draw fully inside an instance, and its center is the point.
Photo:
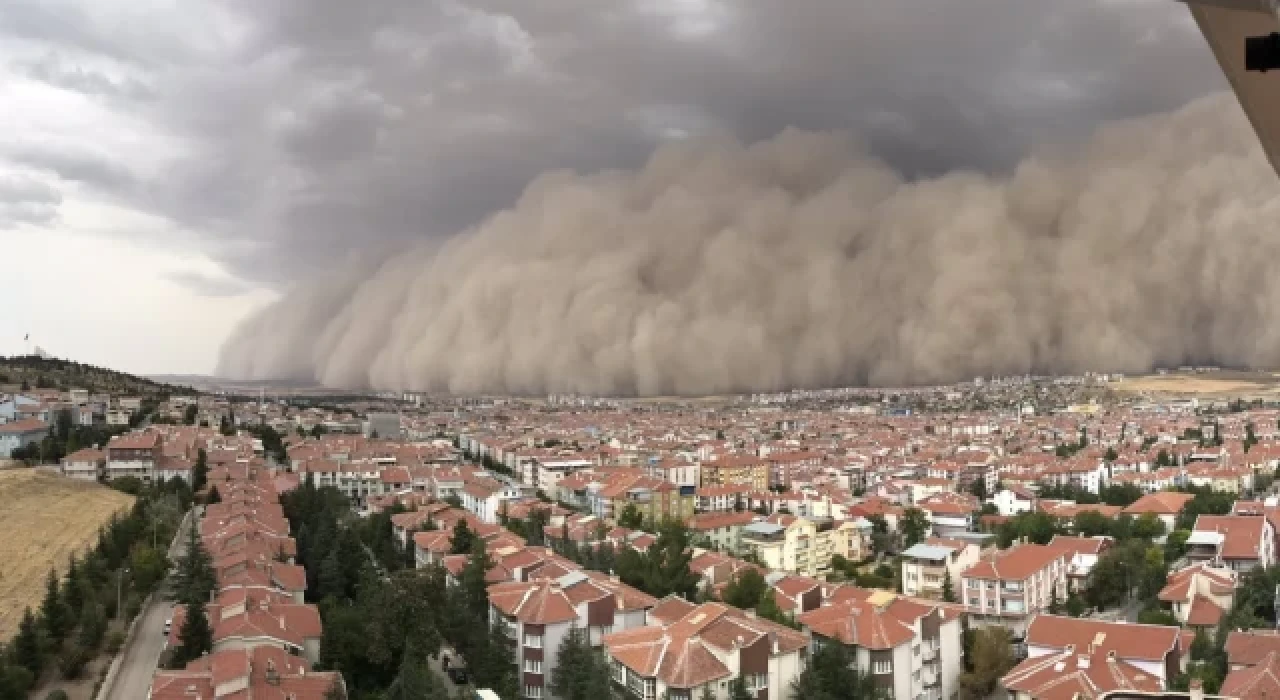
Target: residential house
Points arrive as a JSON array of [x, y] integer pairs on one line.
[[1237, 542], [255, 672], [1013, 500], [17, 434], [1082, 658], [687, 650], [538, 614], [1165, 505], [85, 465], [1200, 595]]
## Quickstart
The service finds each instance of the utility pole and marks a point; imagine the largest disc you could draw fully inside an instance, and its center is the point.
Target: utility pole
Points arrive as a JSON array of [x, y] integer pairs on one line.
[[119, 589]]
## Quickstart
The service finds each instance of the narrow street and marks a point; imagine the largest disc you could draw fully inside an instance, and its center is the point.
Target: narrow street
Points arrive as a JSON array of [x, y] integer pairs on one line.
[[142, 653]]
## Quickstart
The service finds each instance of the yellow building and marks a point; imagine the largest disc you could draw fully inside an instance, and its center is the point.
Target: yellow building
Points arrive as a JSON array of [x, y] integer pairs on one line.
[[801, 546], [737, 471]]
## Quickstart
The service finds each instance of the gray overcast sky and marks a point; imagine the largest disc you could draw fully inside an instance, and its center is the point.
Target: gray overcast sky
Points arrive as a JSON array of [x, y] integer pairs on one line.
[[168, 166]]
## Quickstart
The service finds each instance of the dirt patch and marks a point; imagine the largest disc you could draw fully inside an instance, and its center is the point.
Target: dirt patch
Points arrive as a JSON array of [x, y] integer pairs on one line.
[[1232, 383], [44, 518]]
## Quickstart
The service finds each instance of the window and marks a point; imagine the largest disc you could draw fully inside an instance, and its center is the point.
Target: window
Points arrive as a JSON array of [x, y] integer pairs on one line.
[[533, 665], [973, 600], [756, 681], [882, 667], [533, 641], [533, 691], [619, 671], [915, 650]]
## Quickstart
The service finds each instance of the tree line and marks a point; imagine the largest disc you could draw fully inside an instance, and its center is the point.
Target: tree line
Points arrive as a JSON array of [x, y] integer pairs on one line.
[[108, 581]]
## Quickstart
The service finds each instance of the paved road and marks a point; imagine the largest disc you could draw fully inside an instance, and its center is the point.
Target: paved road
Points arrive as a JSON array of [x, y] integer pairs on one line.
[[141, 657], [143, 652]]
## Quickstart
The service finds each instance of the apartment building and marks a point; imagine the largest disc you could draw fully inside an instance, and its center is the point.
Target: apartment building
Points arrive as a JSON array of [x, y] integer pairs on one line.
[[1014, 500], [689, 649], [1082, 554], [788, 547], [926, 565], [1237, 542], [133, 455], [537, 615], [1010, 587], [742, 470], [721, 531], [654, 498], [911, 648]]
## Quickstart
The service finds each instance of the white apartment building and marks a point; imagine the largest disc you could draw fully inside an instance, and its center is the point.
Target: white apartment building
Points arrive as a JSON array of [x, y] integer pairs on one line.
[[1011, 586], [926, 565]]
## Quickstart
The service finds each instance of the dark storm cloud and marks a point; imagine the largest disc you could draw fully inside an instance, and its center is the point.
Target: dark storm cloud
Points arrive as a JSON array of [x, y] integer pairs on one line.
[[320, 127], [74, 165]]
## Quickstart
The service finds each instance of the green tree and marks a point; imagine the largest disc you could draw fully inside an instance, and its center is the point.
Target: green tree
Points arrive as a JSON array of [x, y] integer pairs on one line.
[[189, 416], [581, 672], [914, 526], [54, 612], [745, 590], [200, 471], [462, 538], [148, 568], [1148, 526], [830, 676], [991, 657], [195, 578], [416, 681], [1091, 523], [1201, 646], [196, 636], [631, 518], [1075, 605], [1175, 545], [738, 689], [25, 647], [948, 588]]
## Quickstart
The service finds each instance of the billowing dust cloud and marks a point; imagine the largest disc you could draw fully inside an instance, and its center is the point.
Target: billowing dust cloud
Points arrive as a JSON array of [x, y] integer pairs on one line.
[[802, 262]]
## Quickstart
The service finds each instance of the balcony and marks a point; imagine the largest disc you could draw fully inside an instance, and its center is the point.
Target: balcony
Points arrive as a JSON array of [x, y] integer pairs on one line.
[[929, 654]]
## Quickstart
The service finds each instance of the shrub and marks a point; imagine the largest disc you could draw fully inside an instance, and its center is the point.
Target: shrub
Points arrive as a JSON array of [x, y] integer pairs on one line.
[[74, 661], [115, 640]]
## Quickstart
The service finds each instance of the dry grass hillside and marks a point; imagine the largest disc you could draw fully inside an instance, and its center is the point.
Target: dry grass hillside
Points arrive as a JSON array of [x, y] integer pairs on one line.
[[44, 518]]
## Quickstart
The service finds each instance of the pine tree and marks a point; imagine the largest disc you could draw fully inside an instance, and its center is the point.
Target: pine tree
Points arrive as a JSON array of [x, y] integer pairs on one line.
[[25, 647], [54, 612], [829, 676], [415, 681], [948, 588], [195, 577], [196, 636], [581, 672], [460, 541], [1201, 647]]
